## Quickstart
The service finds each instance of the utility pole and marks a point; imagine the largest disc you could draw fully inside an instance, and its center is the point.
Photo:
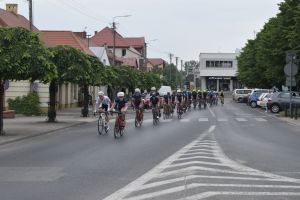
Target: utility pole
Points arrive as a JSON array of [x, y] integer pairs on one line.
[[171, 55], [181, 74], [30, 15], [176, 71], [114, 45]]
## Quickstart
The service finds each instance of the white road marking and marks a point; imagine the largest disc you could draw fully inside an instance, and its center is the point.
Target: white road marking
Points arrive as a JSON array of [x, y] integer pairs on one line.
[[260, 119], [120, 194], [203, 120], [211, 112], [185, 120], [212, 194], [241, 119], [222, 120], [130, 120]]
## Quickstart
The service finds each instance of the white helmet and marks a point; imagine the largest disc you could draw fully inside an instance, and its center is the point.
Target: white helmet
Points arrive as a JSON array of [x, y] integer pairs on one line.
[[153, 88], [120, 94], [100, 93], [137, 90]]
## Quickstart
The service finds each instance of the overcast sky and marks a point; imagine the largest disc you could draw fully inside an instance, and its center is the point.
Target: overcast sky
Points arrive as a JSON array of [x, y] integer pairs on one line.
[[182, 27]]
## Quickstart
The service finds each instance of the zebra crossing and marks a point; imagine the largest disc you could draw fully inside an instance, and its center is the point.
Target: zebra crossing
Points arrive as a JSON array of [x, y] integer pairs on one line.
[[200, 170], [206, 119]]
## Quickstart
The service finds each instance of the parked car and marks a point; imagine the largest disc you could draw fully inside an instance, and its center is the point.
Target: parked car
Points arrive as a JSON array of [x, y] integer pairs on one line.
[[241, 95], [263, 99], [253, 98], [278, 100]]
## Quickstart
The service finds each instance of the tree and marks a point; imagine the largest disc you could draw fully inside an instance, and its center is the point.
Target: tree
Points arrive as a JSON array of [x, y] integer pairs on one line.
[[22, 57], [73, 66], [262, 60]]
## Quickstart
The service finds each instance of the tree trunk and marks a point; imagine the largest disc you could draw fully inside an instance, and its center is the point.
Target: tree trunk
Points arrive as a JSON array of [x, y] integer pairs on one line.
[[1, 107], [52, 106], [85, 110]]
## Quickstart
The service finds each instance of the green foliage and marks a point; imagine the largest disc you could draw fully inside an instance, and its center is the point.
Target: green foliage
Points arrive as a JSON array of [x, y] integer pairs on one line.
[[262, 60], [23, 57], [27, 105]]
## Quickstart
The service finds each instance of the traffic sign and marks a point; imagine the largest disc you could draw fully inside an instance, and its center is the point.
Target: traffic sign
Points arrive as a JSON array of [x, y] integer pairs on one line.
[[290, 69], [290, 56], [290, 81]]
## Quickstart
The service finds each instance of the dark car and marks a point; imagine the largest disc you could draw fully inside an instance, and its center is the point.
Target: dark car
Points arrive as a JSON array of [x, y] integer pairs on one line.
[[278, 100]]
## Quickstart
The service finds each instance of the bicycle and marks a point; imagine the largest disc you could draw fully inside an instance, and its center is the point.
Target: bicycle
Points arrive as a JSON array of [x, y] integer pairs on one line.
[[155, 116], [195, 103], [120, 123], [139, 116], [222, 100], [167, 112], [103, 123], [179, 110]]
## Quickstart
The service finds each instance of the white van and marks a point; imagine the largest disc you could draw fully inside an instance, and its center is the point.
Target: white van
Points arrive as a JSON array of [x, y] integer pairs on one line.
[[163, 90]]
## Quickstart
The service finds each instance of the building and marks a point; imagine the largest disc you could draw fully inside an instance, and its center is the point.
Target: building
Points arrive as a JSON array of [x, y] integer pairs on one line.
[[130, 50], [155, 62], [218, 71]]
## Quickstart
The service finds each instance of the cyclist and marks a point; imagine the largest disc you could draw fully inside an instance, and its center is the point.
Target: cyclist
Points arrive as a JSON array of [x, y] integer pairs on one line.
[[222, 97], [173, 103], [166, 102], [200, 98], [120, 105], [194, 97], [155, 101], [137, 100], [102, 104], [204, 98], [179, 100]]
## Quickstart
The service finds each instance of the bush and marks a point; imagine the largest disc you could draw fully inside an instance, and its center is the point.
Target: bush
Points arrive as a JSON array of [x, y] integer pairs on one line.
[[27, 105]]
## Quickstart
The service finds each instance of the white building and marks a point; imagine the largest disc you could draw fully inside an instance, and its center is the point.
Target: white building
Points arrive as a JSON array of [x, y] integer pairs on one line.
[[218, 71]]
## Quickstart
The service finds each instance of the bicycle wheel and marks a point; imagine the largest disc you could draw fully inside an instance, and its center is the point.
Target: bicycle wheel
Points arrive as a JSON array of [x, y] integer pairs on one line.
[[100, 125], [136, 122], [106, 128], [116, 131]]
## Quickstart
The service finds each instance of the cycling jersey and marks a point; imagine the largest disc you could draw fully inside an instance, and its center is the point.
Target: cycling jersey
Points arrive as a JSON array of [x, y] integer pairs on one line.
[[194, 94], [179, 97], [137, 99], [103, 103], [154, 99], [166, 99], [120, 103]]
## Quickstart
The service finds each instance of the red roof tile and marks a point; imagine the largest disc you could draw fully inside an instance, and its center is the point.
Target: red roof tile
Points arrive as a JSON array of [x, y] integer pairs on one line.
[[14, 20], [105, 37], [56, 38], [132, 62], [156, 61]]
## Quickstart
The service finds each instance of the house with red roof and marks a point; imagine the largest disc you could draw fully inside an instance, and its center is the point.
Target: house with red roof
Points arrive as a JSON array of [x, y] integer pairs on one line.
[[68, 94], [155, 62], [130, 50]]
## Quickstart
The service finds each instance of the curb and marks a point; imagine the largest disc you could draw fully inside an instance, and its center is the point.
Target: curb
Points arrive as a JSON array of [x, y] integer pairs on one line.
[[42, 133]]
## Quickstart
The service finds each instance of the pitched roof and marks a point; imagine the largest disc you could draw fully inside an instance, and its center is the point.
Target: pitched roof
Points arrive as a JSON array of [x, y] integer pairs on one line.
[[156, 61], [8, 18], [132, 62], [56, 38], [106, 37]]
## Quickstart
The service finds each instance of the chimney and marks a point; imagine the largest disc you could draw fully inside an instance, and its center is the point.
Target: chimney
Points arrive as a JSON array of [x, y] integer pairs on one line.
[[96, 32], [12, 8]]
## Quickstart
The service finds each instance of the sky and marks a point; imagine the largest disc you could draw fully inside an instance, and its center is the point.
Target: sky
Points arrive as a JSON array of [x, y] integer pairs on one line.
[[184, 28]]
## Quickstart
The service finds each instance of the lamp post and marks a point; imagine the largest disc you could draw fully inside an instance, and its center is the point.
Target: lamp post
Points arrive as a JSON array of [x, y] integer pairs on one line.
[[145, 53], [114, 36]]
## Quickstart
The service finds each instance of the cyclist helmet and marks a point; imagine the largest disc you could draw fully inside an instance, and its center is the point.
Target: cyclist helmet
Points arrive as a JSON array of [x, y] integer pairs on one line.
[[199, 90], [100, 93], [137, 90], [120, 94], [153, 88]]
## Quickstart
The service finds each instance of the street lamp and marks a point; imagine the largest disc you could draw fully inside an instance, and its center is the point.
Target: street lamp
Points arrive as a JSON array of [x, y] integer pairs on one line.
[[114, 36], [145, 52]]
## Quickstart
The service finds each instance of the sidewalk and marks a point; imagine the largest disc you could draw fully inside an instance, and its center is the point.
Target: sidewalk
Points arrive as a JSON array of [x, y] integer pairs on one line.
[[289, 120], [22, 127]]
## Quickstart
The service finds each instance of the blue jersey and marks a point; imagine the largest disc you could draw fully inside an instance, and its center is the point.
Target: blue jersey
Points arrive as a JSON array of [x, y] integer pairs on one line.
[[120, 103]]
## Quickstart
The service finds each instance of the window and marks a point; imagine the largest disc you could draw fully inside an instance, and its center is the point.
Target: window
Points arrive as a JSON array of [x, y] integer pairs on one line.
[[123, 52], [219, 64]]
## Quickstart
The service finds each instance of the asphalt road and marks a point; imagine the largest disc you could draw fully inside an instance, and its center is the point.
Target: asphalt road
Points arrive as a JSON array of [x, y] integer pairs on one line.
[[224, 152]]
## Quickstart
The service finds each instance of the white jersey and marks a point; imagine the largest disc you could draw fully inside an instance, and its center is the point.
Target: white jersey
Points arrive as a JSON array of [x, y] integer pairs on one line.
[[104, 101]]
